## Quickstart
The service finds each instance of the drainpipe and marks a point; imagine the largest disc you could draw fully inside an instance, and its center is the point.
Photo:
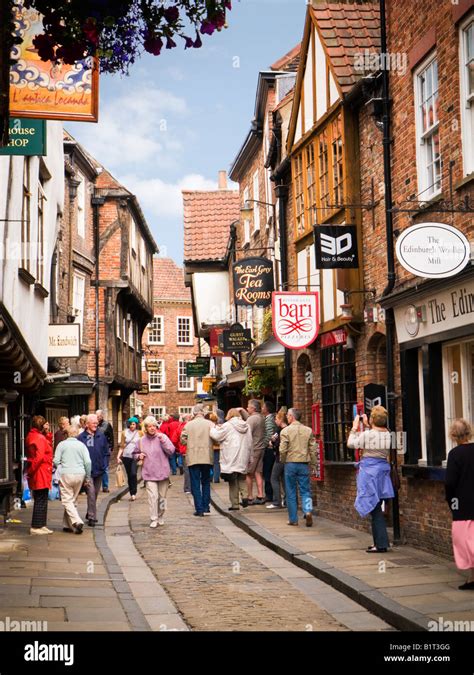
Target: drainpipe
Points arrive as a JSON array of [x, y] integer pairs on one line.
[[390, 321], [281, 192], [96, 202]]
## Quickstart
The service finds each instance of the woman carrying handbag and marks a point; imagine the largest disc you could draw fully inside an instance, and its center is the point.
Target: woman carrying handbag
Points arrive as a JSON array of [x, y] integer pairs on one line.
[[128, 444]]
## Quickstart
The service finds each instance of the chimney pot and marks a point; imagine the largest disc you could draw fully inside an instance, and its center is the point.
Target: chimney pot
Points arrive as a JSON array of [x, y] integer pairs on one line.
[[222, 180]]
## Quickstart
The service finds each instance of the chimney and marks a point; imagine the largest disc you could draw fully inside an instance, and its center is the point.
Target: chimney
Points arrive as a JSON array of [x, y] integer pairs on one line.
[[222, 180]]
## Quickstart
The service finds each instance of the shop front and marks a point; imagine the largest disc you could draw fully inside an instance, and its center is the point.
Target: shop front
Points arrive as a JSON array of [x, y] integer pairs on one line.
[[435, 332]]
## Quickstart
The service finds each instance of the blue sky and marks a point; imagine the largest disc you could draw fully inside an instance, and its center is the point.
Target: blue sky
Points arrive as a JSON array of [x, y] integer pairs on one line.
[[180, 117]]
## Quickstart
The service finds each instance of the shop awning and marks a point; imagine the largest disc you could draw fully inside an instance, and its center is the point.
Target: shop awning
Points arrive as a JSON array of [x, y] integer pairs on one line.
[[269, 353], [74, 386], [235, 378]]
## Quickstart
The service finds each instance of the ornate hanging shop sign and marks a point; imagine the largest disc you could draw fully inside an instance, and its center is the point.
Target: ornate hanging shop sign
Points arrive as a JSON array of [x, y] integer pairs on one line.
[[253, 282], [295, 318], [433, 250], [47, 90]]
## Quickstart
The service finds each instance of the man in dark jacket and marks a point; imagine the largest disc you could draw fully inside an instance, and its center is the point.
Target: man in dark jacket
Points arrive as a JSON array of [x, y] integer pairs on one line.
[[268, 411], [106, 428], [97, 444]]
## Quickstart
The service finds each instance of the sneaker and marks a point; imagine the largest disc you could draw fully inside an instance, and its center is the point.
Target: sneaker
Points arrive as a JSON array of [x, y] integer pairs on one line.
[[105, 490], [39, 530], [154, 523], [67, 529], [78, 527], [91, 522], [47, 530], [161, 521], [294, 524], [201, 515], [245, 503], [259, 500], [273, 506]]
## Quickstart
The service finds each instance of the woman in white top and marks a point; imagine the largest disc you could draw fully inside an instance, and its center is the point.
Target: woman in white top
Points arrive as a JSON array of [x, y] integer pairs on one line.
[[128, 444], [235, 439], [373, 480]]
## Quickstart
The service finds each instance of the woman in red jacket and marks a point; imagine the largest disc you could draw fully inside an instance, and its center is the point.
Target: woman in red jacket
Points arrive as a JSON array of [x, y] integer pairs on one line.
[[39, 453]]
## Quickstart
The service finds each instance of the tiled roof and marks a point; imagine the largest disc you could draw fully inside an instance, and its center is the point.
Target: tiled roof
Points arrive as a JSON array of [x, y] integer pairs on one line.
[[290, 61], [348, 29], [168, 281], [207, 220]]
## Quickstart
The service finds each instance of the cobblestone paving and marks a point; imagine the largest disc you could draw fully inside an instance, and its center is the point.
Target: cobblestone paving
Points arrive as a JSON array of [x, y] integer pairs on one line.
[[213, 582]]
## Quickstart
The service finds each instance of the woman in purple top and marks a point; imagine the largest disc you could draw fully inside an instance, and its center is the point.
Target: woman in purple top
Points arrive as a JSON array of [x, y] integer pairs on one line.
[[154, 449]]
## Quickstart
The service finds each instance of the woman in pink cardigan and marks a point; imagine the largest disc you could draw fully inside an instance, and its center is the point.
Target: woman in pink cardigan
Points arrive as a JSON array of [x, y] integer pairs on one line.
[[154, 449]]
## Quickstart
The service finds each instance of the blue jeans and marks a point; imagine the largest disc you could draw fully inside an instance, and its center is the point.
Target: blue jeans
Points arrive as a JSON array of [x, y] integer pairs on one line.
[[379, 528], [216, 471], [297, 473], [173, 465], [200, 475], [105, 475]]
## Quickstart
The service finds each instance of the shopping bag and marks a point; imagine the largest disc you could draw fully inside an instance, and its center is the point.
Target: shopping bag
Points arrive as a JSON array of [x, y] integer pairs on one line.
[[120, 476]]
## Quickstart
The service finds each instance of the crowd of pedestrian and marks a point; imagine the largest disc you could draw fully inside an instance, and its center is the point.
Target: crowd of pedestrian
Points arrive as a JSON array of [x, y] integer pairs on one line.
[[257, 448]]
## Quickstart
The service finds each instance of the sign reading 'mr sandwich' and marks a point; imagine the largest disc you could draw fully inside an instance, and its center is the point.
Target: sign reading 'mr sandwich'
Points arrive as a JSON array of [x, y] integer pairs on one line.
[[253, 282]]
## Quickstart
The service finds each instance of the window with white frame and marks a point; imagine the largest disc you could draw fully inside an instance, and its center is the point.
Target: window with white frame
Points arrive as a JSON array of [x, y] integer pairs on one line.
[[156, 378], [118, 320], [185, 410], [427, 129], [81, 206], [142, 253], [40, 234], [184, 330], [185, 383], [158, 411], [246, 222], [79, 285], [467, 92], [256, 207], [458, 383], [133, 236], [156, 334]]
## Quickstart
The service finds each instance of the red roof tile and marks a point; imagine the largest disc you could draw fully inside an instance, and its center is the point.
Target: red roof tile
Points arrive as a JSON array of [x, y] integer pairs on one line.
[[208, 216], [347, 30], [290, 61], [168, 281]]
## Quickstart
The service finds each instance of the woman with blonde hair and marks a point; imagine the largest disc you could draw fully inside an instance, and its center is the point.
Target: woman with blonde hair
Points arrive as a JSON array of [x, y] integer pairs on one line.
[[154, 449], [374, 485], [235, 440], [460, 496]]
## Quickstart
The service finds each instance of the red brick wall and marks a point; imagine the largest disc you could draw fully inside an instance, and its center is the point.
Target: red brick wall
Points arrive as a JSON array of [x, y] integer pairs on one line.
[[171, 398]]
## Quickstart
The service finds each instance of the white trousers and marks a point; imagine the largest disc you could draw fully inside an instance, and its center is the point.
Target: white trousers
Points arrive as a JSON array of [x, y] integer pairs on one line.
[[156, 491]]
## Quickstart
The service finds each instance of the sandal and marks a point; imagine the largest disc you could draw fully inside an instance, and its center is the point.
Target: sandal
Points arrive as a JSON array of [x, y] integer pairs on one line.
[[374, 549]]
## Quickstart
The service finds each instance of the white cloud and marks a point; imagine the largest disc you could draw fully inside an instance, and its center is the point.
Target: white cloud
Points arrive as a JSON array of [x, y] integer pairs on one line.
[[161, 199], [136, 127]]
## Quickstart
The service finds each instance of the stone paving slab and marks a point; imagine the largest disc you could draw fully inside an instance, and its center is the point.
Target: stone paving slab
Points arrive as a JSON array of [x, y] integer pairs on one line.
[[215, 582], [415, 581]]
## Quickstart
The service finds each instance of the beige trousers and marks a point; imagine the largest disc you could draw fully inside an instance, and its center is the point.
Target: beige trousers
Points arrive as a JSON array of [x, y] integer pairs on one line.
[[156, 491], [236, 484], [70, 485]]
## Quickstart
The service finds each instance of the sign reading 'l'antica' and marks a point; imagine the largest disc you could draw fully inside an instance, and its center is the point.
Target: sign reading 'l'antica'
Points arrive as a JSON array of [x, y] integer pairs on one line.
[[253, 282]]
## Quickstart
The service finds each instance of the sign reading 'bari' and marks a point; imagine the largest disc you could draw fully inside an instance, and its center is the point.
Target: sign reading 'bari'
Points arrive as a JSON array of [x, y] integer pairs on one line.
[[253, 282], [295, 318]]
